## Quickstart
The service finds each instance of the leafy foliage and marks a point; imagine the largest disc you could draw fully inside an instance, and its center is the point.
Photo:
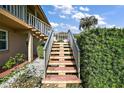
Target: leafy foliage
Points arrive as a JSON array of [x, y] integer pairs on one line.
[[19, 58], [40, 51], [102, 57], [87, 22], [10, 63]]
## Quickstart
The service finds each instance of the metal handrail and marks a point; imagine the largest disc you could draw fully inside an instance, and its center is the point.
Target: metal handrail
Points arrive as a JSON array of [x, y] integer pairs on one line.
[[38, 24], [60, 36], [47, 50], [76, 50]]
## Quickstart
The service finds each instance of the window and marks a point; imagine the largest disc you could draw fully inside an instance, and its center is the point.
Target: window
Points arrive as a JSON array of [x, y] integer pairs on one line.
[[3, 40]]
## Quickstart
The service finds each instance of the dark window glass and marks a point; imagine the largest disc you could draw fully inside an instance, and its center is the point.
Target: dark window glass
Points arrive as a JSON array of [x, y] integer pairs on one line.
[[3, 40], [2, 35], [2, 45]]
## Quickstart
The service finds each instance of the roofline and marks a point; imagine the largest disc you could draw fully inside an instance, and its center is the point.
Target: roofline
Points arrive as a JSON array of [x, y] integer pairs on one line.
[[44, 14]]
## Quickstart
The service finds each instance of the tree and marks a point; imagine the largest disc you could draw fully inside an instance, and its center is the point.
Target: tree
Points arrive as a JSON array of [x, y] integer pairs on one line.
[[87, 22]]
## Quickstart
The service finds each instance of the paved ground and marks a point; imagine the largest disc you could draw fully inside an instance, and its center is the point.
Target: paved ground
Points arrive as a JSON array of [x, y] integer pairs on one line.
[[7, 72], [35, 68]]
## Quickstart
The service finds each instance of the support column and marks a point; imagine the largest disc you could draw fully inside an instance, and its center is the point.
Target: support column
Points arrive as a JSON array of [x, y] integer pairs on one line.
[[30, 47]]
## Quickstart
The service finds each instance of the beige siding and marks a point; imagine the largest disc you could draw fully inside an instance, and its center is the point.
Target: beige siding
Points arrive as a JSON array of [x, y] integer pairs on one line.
[[16, 44]]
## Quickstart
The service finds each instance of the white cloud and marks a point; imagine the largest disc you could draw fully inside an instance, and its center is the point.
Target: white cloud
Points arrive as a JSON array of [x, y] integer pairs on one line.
[[65, 27], [111, 26], [101, 22], [65, 9], [51, 12], [71, 27], [98, 17], [62, 16], [84, 9], [54, 24], [80, 15]]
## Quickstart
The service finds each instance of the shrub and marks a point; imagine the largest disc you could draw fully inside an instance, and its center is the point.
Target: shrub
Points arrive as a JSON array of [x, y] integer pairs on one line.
[[10, 63], [102, 57], [40, 51], [19, 58]]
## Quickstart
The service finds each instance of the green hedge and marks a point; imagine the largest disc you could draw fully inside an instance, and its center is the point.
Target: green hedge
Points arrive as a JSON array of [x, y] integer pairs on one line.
[[40, 51], [102, 57]]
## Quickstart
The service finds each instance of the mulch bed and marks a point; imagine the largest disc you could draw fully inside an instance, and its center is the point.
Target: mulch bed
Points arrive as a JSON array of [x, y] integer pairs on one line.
[[7, 72]]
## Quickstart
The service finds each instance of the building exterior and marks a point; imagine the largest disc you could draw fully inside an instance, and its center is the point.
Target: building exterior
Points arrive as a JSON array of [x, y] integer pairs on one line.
[[21, 26]]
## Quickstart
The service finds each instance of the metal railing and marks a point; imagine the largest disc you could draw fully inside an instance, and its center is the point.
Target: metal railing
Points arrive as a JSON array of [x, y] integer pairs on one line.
[[20, 11], [60, 36], [38, 24], [76, 51], [47, 50]]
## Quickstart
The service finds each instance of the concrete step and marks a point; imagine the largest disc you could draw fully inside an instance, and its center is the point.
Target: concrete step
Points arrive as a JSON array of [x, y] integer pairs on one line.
[[61, 43], [61, 79], [61, 63], [69, 52], [61, 69], [56, 49], [61, 57]]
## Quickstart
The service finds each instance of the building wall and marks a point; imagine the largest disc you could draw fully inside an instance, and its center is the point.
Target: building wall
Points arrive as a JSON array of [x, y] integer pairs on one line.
[[35, 43], [16, 44]]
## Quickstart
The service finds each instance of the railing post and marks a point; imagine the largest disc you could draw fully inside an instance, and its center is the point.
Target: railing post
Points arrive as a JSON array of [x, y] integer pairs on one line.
[[79, 64], [47, 50], [76, 51]]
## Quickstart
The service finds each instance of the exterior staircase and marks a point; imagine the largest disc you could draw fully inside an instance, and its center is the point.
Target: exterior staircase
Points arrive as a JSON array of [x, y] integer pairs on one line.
[[61, 68]]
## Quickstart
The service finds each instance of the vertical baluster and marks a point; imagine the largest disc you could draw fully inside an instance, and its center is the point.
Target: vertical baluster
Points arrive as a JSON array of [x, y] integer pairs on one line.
[[10, 8], [14, 10], [44, 30], [41, 26], [32, 21], [29, 19], [35, 22], [25, 13]]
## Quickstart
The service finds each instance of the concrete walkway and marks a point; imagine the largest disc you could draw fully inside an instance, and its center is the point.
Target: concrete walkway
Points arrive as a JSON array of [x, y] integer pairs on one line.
[[35, 68]]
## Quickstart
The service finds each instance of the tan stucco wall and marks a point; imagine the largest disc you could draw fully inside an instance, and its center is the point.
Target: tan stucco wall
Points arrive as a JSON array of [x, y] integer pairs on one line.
[[35, 44], [16, 44]]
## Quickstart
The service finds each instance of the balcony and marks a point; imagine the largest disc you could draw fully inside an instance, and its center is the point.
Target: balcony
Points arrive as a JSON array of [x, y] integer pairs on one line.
[[21, 13]]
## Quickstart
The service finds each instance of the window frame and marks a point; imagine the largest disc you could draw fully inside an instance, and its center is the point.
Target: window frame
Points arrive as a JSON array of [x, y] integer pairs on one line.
[[2, 30]]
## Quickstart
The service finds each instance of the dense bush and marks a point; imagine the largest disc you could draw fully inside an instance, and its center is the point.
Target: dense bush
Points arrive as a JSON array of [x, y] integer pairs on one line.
[[9, 64], [19, 58], [102, 57], [40, 51]]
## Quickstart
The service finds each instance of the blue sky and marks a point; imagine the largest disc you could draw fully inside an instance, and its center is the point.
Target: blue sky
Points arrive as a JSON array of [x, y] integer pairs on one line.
[[64, 17]]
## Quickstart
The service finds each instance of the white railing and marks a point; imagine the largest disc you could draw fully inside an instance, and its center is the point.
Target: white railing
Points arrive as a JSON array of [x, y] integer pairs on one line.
[[76, 50], [47, 50], [20, 12], [60, 36], [38, 24]]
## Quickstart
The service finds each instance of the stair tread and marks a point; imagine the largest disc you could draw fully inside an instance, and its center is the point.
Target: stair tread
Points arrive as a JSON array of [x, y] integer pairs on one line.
[[69, 52], [62, 61], [61, 43], [61, 68], [61, 79], [64, 57]]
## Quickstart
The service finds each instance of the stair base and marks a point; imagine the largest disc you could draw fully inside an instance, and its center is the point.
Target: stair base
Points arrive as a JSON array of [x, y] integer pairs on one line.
[[61, 79]]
